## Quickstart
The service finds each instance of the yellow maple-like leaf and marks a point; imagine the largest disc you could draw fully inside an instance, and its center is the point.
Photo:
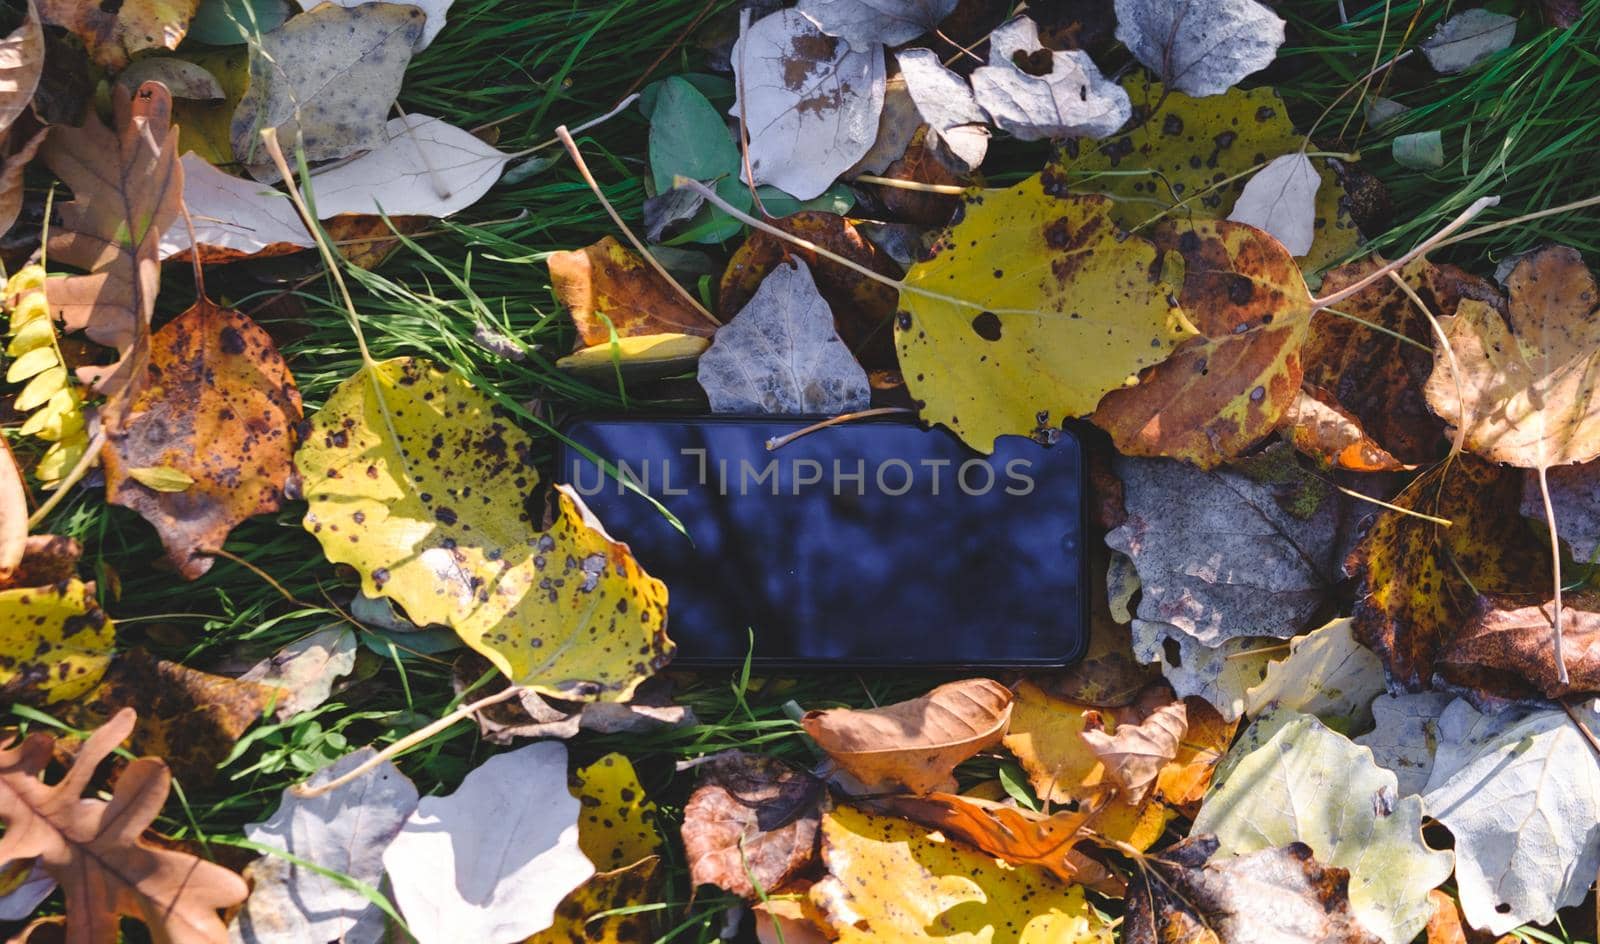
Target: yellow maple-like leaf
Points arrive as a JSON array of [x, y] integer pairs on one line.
[[567, 611], [617, 826], [1039, 307], [1045, 736], [1191, 145], [890, 881], [54, 642]]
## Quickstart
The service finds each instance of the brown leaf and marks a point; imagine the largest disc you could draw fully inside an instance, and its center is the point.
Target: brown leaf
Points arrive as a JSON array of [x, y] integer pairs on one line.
[[46, 559], [609, 279], [786, 918], [1526, 393], [1137, 753], [1446, 926], [1224, 391], [862, 309], [94, 848], [127, 189], [1018, 836], [1319, 427], [13, 515], [1506, 635], [1412, 599], [365, 241], [21, 65], [113, 32], [1183, 782], [217, 406], [190, 717], [531, 715], [1275, 896], [11, 173], [921, 164], [752, 822], [918, 743]]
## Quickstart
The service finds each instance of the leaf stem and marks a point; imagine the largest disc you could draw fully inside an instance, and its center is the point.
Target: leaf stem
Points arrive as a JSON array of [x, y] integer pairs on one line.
[[1555, 566], [778, 442], [1478, 206]]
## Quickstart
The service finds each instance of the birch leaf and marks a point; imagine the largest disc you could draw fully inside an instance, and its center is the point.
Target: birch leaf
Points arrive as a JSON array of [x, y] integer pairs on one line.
[[491, 861], [1072, 100], [55, 643], [781, 354], [1281, 199], [1031, 309], [1200, 47], [812, 106], [1308, 783], [1467, 39], [566, 611], [946, 103], [865, 23], [1327, 674]]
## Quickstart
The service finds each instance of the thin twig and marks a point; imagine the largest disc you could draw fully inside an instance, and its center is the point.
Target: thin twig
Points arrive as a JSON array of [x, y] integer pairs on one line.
[[1555, 565], [744, 128], [1594, 742], [591, 123], [917, 185], [85, 463], [1478, 206], [778, 442], [1404, 511]]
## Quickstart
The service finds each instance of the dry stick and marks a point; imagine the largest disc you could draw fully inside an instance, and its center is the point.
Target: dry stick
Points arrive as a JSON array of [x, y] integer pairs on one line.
[[778, 442], [439, 189], [588, 178], [744, 129], [1594, 742], [1515, 220], [949, 189], [591, 123], [1478, 206], [406, 743], [1555, 561]]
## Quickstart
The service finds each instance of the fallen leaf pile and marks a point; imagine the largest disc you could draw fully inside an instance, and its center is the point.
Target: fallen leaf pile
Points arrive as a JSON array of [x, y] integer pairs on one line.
[[1344, 658]]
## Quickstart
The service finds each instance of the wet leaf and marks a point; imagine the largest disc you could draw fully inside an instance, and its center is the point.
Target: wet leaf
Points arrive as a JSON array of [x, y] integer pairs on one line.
[[1020, 837], [606, 287], [889, 881], [750, 824], [127, 194], [55, 643], [1071, 99], [1413, 592], [217, 411], [1041, 309], [1327, 674], [1136, 754], [1509, 635], [1467, 39], [467, 554], [113, 32], [781, 354], [1278, 895], [1309, 784], [813, 103], [865, 23], [917, 743], [492, 860], [1200, 47], [1526, 397], [325, 80], [96, 848], [346, 832], [1281, 198], [304, 671], [946, 102], [1224, 391]]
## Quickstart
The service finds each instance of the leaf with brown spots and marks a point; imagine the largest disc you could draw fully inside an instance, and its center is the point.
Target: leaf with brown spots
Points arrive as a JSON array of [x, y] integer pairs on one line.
[[191, 718], [112, 32], [1413, 594], [862, 309], [97, 850], [751, 823], [128, 189], [915, 744], [55, 642], [1224, 391], [1508, 640], [217, 405], [578, 919], [46, 559], [566, 611], [1018, 836], [1031, 309], [607, 286]]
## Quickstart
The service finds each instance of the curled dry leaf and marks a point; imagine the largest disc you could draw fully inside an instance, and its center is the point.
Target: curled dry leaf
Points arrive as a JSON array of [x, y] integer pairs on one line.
[[1183, 782], [606, 287], [128, 190], [1200, 47], [305, 671], [1509, 635], [915, 744], [114, 32], [1031, 309], [751, 824], [1017, 836], [96, 849], [1318, 426], [1281, 895], [1070, 99], [530, 715], [218, 406], [1136, 754], [55, 643], [566, 611]]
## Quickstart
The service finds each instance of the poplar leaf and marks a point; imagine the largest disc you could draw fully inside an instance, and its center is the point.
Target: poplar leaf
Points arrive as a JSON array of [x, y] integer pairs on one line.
[[55, 643], [1200, 47], [1281, 199], [1072, 99], [865, 23]]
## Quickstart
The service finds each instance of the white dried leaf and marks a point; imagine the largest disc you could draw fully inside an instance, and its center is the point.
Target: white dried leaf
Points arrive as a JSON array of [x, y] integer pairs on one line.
[[1328, 674], [424, 166], [865, 23], [1074, 100], [1200, 47], [1221, 676], [1467, 39], [491, 861], [810, 103], [781, 354], [1282, 200], [1404, 734], [305, 670], [232, 214], [435, 11], [946, 103]]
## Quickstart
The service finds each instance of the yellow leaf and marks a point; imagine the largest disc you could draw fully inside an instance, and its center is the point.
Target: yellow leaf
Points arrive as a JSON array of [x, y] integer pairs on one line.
[[54, 642], [206, 127], [60, 459], [643, 355], [41, 388], [575, 921], [31, 364], [1190, 145], [161, 478], [891, 881], [1043, 310], [617, 825], [1045, 736], [27, 335], [59, 416], [566, 611]]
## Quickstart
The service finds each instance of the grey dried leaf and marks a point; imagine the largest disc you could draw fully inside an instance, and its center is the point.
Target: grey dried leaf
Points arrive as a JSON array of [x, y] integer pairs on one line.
[[1073, 100], [1222, 676], [1575, 496], [325, 80], [781, 354], [1200, 47], [1405, 730], [946, 103], [1467, 39], [864, 23], [1281, 198], [305, 670]]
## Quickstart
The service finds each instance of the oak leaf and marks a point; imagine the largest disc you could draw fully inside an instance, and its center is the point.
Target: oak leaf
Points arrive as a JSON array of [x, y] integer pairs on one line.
[[606, 287], [750, 824], [915, 744], [96, 849]]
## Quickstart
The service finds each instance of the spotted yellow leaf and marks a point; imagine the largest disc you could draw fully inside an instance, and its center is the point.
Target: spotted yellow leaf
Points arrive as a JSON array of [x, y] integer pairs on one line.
[[55, 643], [565, 611], [1032, 308], [616, 825]]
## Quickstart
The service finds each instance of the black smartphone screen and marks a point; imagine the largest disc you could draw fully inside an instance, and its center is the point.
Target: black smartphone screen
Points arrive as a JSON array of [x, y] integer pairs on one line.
[[875, 543]]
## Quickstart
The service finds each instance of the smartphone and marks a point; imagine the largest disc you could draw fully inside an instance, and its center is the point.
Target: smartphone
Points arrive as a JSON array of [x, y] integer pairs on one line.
[[871, 544]]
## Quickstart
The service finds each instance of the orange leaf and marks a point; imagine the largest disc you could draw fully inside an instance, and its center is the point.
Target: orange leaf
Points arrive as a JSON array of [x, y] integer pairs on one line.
[[608, 279], [1017, 836]]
